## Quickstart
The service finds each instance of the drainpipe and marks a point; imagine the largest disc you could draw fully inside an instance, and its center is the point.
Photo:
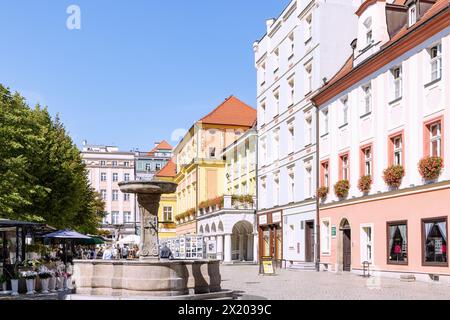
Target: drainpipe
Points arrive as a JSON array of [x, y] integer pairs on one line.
[[257, 191], [317, 187]]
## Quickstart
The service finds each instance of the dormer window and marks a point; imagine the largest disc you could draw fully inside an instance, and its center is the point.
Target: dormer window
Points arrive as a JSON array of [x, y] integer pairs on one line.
[[369, 35], [412, 14]]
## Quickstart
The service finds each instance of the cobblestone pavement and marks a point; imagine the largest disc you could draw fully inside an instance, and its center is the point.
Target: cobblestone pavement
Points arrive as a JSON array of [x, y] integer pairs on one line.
[[311, 285]]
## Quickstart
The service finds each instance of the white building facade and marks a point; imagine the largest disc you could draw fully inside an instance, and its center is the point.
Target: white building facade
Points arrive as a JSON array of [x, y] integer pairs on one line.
[[301, 48], [107, 166]]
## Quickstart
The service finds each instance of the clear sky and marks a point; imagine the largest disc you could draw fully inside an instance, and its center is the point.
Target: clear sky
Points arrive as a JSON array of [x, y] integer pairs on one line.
[[136, 70]]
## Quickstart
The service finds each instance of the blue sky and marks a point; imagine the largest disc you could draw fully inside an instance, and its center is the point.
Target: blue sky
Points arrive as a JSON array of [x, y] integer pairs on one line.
[[138, 69]]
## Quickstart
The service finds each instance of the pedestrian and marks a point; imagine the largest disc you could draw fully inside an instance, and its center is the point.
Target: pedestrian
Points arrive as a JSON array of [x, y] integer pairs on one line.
[[107, 254], [125, 252]]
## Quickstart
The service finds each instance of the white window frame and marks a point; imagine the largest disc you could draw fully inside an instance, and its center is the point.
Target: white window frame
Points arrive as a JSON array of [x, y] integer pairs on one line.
[[291, 185], [437, 60], [325, 235], [276, 189], [397, 82], [291, 137], [368, 161], [437, 138], [291, 84], [345, 167], [126, 197], [398, 151], [367, 99], [115, 195], [308, 28], [325, 121], [412, 15], [263, 192], [115, 217], [263, 110], [127, 217], [276, 98], [308, 131], [308, 78], [345, 109], [102, 163], [308, 182], [104, 194], [276, 144], [276, 68], [114, 163], [103, 177], [126, 177], [168, 214], [365, 243], [115, 177]]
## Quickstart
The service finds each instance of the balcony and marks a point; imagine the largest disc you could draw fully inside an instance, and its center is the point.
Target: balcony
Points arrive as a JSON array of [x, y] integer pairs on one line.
[[227, 202]]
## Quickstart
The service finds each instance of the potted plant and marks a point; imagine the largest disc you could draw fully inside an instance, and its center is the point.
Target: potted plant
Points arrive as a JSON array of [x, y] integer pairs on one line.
[[430, 167], [30, 278], [3, 281], [322, 193], [15, 279], [44, 276], [341, 188], [365, 184], [393, 176], [52, 282]]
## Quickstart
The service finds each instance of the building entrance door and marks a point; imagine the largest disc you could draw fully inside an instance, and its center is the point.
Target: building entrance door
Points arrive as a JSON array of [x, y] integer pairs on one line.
[[309, 241], [347, 250]]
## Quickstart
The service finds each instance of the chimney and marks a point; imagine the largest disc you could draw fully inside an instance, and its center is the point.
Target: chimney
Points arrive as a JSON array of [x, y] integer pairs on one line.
[[269, 23]]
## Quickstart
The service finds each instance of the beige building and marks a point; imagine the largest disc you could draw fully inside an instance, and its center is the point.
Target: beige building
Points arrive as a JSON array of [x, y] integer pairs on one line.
[[107, 166]]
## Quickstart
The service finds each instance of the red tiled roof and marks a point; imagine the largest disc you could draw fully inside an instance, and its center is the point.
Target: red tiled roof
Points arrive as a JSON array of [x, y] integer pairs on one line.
[[164, 145], [169, 170], [231, 112]]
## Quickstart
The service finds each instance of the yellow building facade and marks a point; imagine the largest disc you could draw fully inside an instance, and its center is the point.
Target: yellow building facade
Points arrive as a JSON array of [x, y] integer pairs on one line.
[[168, 204], [200, 166]]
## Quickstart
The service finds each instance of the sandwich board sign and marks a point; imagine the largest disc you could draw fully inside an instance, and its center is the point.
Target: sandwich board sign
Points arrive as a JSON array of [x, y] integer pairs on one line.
[[267, 266]]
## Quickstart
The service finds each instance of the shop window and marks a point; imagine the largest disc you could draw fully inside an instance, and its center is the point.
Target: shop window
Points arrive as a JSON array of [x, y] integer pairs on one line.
[[266, 241], [397, 242], [434, 233]]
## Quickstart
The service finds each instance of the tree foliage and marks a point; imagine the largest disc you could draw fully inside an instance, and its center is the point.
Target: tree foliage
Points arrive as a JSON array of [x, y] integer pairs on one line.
[[42, 176]]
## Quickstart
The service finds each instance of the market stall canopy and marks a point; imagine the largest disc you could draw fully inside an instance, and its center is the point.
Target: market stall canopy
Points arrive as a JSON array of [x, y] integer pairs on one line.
[[66, 234], [93, 240], [131, 239]]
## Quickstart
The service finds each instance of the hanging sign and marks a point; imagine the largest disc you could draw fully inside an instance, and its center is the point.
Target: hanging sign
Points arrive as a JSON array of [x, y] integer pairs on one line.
[[262, 219], [276, 217]]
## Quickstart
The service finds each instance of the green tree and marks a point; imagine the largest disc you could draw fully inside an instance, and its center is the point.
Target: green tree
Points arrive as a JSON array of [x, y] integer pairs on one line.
[[42, 176]]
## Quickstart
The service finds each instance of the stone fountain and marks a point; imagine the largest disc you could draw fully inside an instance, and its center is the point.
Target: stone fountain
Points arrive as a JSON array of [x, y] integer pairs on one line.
[[149, 277]]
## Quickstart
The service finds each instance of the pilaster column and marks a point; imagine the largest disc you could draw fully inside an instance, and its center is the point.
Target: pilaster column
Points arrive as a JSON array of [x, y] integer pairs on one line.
[[227, 248], [220, 247], [255, 247]]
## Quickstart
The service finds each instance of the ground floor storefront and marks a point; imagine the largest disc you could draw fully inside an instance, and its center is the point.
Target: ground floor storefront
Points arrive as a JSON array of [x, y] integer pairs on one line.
[[230, 234], [270, 235], [402, 233]]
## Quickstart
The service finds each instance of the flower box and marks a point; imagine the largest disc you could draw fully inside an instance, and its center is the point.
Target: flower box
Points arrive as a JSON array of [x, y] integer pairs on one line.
[[365, 184], [393, 176], [430, 167], [341, 189]]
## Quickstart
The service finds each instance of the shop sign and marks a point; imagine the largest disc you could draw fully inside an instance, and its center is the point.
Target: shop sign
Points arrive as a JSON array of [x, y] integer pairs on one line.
[[276, 217], [268, 267], [333, 231], [262, 219]]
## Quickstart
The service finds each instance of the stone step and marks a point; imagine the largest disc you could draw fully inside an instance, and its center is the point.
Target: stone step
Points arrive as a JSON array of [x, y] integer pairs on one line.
[[407, 278], [307, 266]]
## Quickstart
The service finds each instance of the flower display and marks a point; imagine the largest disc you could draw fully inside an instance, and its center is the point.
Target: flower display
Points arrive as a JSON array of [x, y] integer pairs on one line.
[[28, 275], [322, 193], [365, 184], [430, 167], [341, 188], [393, 176]]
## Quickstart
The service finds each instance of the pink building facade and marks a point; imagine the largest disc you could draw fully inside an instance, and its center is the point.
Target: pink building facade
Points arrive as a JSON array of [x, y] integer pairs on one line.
[[383, 113]]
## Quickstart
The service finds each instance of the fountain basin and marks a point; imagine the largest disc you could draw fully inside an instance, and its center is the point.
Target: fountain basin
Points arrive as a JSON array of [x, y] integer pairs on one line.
[[146, 278]]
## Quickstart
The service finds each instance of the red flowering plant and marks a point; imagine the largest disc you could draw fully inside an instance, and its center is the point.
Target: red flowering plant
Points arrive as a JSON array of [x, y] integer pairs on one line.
[[430, 167], [393, 176], [365, 184], [341, 188], [322, 193]]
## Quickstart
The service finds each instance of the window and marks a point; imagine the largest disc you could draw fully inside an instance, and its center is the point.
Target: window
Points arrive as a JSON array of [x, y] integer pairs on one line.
[[126, 216], [308, 28], [291, 191], [276, 144], [148, 167], [126, 164], [291, 137], [435, 139], [276, 190], [126, 177], [263, 74], [325, 175], [114, 163], [344, 111], [308, 79], [102, 163], [325, 122], [115, 217], [167, 213], [276, 61], [103, 176], [369, 35], [291, 84], [126, 197], [158, 166], [308, 131], [397, 82], [345, 166], [276, 96], [291, 45], [291, 237], [366, 244], [263, 193], [367, 99], [325, 231], [212, 153], [264, 151], [397, 242], [412, 15], [115, 177], [308, 182], [115, 195], [367, 158], [398, 150], [103, 194], [263, 112], [434, 241], [435, 62]]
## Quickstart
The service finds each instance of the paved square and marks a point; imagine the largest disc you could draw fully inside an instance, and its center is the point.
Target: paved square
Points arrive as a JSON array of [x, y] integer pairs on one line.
[[311, 285]]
